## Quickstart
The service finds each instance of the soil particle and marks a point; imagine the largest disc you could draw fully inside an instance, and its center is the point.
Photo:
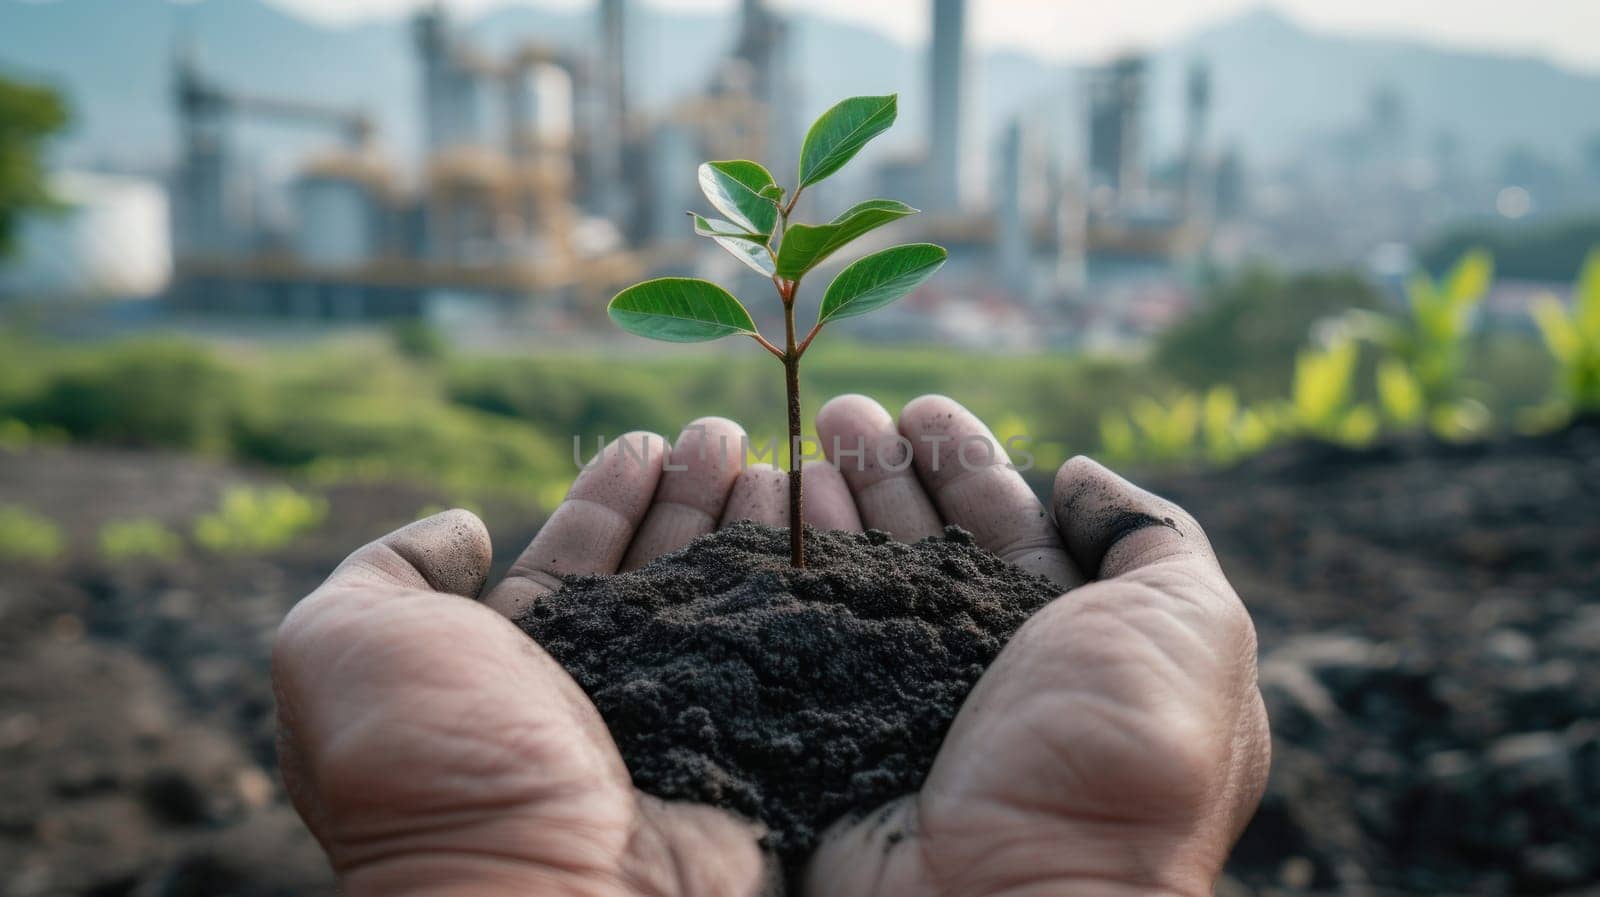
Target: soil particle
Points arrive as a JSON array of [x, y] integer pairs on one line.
[[792, 697]]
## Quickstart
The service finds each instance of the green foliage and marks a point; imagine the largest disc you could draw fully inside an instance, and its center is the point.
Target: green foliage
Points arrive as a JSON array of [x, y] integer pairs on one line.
[[1430, 345], [1321, 395], [756, 230], [29, 116], [141, 538], [1399, 394], [737, 190], [878, 279], [253, 520], [807, 245], [687, 310], [418, 340], [27, 537], [1574, 339], [161, 393], [680, 310], [838, 134], [1248, 328], [1213, 425], [1549, 250]]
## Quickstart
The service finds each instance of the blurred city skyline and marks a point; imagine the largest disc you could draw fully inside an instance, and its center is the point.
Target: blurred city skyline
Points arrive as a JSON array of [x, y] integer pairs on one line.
[[507, 165], [1562, 31]]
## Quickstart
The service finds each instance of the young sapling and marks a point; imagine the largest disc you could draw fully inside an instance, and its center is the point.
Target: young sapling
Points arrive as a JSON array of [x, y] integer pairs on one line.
[[758, 232]]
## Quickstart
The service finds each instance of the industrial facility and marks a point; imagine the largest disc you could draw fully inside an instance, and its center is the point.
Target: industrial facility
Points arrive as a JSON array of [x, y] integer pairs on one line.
[[541, 186], [536, 182]]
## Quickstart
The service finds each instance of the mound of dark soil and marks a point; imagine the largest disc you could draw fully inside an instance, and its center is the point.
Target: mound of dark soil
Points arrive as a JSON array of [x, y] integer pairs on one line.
[[789, 696]]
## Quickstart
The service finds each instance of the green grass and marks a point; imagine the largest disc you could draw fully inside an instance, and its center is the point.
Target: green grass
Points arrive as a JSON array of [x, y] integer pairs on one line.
[[28, 537]]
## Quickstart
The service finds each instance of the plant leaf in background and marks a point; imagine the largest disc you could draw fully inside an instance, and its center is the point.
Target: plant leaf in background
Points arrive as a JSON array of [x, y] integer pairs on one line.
[[1321, 387], [1218, 418], [1399, 393], [1574, 339], [838, 134], [873, 281], [735, 189], [1586, 301], [805, 245], [1469, 280], [679, 310]]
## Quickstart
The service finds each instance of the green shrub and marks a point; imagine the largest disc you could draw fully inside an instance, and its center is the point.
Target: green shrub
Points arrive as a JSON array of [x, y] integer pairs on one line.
[[1574, 339], [163, 393], [258, 519], [1247, 329], [136, 539], [28, 537], [1321, 402], [1422, 374], [418, 340]]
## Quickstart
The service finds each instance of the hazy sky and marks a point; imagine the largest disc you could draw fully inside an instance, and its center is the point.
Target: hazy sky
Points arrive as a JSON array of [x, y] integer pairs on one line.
[[1565, 30]]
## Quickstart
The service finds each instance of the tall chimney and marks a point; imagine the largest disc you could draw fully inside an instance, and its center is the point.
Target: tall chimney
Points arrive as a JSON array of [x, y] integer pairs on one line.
[[947, 66]]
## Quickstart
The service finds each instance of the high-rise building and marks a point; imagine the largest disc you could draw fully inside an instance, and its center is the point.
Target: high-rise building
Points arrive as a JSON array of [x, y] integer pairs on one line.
[[1196, 165], [763, 46], [1116, 106], [610, 147], [947, 70]]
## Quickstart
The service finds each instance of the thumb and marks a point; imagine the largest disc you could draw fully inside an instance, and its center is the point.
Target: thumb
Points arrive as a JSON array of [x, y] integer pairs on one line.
[[448, 552], [1112, 527]]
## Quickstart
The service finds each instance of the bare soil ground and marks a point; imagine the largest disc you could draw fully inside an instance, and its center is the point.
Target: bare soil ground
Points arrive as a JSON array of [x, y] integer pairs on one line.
[[1430, 634]]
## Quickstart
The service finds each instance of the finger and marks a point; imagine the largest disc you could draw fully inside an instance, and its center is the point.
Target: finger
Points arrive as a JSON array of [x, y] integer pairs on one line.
[[760, 495], [828, 504], [861, 440], [1112, 527], [447, 552], [591, 530], [968, 474], [693, 490]]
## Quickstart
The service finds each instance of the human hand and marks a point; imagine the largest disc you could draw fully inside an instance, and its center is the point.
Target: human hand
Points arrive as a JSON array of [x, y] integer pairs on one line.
[[433, 748], [420, 768], [1118, 744]]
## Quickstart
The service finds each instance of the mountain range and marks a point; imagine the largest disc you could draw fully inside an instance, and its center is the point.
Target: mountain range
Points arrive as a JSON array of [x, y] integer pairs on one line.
[[1277, 85]]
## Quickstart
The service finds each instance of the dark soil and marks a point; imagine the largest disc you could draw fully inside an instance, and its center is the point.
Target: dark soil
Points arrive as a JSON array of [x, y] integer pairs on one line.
[[1429, 621], [792, 697]]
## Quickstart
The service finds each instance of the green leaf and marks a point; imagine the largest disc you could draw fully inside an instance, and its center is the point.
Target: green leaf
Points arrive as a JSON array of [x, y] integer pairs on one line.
[[753, 254], [1586, 299], [772, 192], [679, 310], [805, 245], [841, 132], [736, 189], [717, 228], [874, 281], [1561, 334], [1469, 279]]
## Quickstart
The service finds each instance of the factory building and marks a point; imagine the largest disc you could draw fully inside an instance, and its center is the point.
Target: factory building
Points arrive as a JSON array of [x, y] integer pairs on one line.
[[535, 180], [505, 205]]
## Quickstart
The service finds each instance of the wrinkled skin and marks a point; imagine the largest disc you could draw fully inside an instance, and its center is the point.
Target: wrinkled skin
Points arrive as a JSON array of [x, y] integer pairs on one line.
[[1117, 745]]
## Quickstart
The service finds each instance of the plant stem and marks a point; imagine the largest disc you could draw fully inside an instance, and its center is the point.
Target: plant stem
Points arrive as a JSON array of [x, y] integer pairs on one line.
[[791, 379]]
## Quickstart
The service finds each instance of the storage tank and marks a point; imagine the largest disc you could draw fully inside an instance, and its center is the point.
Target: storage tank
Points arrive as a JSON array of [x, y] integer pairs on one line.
[[110, 238], [340, 210]]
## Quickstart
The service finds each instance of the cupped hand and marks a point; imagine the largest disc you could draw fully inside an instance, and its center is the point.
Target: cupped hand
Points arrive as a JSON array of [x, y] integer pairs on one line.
[[1117, 744], [432, 748]]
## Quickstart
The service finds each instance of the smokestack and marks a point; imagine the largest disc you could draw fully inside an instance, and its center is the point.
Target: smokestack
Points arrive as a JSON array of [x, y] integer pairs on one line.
[[947, 65], [613, 63], [1197, 107]]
